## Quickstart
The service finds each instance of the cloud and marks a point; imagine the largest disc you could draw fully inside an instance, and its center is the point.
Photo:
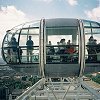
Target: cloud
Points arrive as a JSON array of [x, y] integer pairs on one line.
[[47, 1], [72, 2], [10, 17], [93, 14]]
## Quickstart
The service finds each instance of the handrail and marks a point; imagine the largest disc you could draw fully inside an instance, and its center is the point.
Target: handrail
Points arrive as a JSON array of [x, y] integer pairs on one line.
[[91, 90], [28, 92]]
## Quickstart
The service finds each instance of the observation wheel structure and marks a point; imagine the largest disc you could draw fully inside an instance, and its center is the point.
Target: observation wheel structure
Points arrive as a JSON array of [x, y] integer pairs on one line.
[[60, 47]]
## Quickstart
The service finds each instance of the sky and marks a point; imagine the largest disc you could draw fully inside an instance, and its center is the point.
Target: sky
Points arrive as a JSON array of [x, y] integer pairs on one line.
[[15, 12]]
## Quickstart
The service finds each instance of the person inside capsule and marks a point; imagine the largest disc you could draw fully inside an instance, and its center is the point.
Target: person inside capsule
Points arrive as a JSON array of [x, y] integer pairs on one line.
[[13, 50], [29, 44], [91, 48], [62, 49], [50, 51], [70, 50]]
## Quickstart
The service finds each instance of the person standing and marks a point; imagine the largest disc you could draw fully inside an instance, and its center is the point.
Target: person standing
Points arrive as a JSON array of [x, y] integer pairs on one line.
[[14, 52], [29, 44]]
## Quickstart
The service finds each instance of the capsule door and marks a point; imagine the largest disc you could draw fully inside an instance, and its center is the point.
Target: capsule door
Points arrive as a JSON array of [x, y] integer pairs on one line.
[[62, 48]]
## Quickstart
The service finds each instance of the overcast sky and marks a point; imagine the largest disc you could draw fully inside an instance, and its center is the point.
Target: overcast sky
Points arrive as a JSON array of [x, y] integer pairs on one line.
[[14, 12]]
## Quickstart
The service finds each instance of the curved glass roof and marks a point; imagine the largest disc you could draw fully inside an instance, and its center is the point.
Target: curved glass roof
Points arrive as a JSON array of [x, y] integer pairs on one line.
[[25, 25], [55, 23]]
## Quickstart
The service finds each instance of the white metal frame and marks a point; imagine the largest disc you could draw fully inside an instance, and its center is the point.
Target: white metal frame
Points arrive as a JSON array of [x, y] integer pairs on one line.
[[73, 89]]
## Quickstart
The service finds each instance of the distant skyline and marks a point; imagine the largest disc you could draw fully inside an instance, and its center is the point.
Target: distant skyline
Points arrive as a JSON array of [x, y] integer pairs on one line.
[[14, 12]]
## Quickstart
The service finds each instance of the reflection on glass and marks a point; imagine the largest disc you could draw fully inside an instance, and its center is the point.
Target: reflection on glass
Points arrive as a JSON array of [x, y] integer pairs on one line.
[[35, 31], [95, 24], [24, 31], [87, 30], [86, 23], [96, 31]]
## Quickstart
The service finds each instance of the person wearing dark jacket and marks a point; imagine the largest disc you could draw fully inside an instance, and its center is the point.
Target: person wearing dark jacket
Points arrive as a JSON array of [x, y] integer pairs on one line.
[[29, 44]]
